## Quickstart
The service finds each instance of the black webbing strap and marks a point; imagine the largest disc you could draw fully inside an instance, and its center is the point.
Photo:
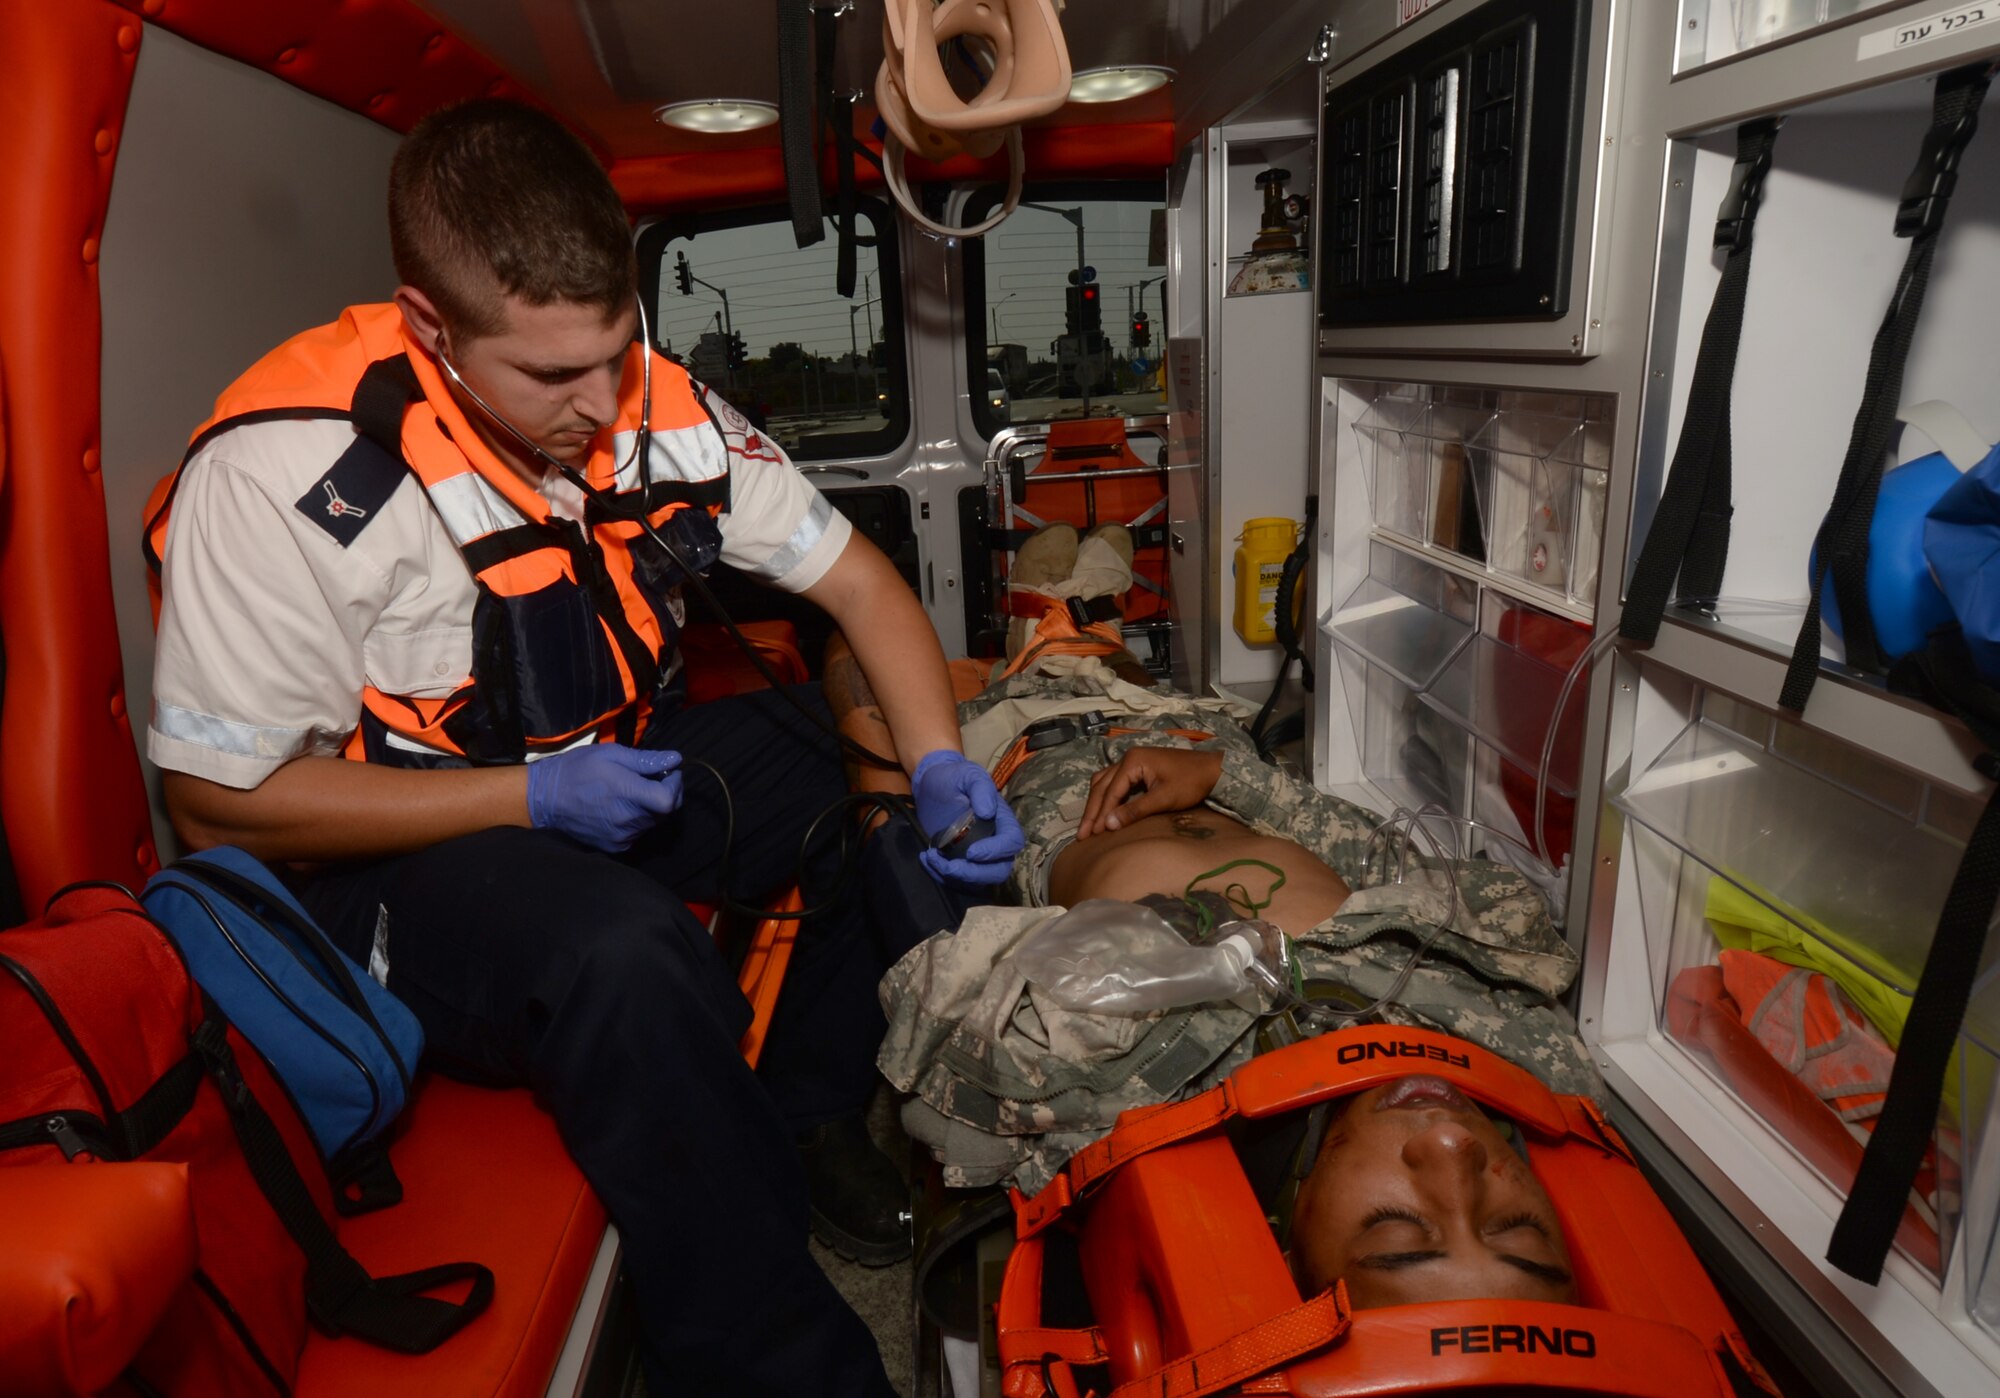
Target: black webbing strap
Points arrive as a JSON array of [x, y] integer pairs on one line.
[[1941, 674], [1689, 537], [387, 388], [798, 120], [1868, 1222], [341, 1296], [839, 113], [1841, 546]]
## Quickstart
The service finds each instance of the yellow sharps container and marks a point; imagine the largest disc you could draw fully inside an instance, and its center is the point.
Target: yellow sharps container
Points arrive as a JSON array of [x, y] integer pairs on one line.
[[1260, 559]]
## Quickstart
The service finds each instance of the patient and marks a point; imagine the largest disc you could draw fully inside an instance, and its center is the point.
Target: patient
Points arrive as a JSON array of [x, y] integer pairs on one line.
[[1417, 1196], [1138, 793]]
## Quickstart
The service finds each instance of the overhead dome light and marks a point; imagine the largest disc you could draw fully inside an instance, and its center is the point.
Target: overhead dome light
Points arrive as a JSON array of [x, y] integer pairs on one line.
[[715, 114], [1117, 84]]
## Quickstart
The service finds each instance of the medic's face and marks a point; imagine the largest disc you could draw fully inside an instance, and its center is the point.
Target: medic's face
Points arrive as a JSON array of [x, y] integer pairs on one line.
[[1416, 1196], [552, 371]]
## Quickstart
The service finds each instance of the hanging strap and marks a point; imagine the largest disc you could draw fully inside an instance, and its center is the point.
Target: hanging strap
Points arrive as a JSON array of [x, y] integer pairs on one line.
[[798, 120], [1867, 1226], [1941, 674], [341, 1296], [1689, 537], [837, 109], [1841, 547]]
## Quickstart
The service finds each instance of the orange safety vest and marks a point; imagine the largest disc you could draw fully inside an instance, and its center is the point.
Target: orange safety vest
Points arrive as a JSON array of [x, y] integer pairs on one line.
[[575, 629]]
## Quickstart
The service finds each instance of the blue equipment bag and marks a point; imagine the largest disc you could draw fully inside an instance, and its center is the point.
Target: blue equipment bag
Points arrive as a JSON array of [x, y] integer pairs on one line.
[[1962, 546], [343, 1046]]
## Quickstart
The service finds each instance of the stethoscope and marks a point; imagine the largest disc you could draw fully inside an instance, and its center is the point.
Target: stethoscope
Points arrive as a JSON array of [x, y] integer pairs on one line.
[[603, 499], [641, 445]]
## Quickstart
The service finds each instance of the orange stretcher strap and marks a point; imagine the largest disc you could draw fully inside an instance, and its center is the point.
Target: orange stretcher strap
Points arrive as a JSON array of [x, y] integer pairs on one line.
[[1139, 1130], [1312, 1325], [1144, 1129], [1060, 632]]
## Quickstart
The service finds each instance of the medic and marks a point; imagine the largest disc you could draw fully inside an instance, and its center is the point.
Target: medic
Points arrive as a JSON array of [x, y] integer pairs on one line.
[[422, 578]]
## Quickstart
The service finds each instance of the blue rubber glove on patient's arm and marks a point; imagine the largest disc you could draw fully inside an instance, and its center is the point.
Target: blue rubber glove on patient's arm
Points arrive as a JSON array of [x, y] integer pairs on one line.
[[945, 785], [606, 795]]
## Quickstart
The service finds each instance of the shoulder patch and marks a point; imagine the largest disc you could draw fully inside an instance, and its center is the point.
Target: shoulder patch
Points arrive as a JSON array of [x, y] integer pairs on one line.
[[352, 491]]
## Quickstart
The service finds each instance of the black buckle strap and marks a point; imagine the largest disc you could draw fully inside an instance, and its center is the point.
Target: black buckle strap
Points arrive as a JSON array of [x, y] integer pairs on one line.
[[1734, 220], [341, 1296], [1089, 611], [1928, 190], [1064, 728], [1841, 545], [1874, 1209], [1687, 545]]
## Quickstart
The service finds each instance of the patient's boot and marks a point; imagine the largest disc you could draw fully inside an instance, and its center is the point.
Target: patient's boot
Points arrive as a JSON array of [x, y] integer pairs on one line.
[[1118, 539], [860, 1205], [1045, 560], [1104, 569]]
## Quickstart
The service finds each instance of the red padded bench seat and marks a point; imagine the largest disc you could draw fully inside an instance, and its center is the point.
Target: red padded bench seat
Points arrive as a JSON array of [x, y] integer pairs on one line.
[[485, 1179]]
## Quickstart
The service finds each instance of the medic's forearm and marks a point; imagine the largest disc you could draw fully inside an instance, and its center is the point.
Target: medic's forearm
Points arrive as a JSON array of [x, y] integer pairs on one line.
[[892, 637], [315, 809]]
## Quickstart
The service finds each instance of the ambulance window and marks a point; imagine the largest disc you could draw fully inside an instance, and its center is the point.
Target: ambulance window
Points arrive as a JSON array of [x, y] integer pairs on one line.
[[759, 319], [1064, 345]]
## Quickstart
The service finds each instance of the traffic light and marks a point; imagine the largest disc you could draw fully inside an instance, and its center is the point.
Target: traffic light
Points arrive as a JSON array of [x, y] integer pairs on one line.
[[1072, 309], [738, 356], [1093, 308], [683, 274], [1142, 331]]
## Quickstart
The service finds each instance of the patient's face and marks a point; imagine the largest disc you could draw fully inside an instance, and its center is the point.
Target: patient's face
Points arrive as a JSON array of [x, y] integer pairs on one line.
[[1416, 1196]]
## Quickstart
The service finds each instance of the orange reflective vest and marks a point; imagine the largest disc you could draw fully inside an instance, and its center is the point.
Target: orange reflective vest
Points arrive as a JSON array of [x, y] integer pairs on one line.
[[574, 628]]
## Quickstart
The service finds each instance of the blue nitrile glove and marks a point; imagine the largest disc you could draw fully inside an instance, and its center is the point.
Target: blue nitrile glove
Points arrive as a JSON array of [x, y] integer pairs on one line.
[[946, 785], [606, 795]]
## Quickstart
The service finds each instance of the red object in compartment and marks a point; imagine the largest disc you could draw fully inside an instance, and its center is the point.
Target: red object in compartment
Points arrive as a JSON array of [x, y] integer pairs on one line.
[[1703, 1017], [1556, 642]]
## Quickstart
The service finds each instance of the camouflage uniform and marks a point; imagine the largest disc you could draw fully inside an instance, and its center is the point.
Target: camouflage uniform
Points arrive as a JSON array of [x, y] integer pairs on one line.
[[1009, 1085]]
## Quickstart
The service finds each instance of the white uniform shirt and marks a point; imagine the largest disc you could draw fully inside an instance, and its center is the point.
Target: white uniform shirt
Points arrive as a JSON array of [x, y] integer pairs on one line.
[[270, 628]]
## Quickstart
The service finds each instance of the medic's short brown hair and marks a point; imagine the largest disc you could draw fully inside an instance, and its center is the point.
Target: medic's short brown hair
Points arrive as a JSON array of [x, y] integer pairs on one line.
[[494, 187]]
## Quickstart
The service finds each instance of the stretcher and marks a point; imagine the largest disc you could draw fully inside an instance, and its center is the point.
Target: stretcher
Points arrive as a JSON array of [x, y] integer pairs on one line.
[[1087, 473], [1189, 1292]]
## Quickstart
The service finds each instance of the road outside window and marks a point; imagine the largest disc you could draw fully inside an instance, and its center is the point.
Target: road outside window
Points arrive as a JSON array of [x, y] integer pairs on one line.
[[1075, 312], [758, 319]]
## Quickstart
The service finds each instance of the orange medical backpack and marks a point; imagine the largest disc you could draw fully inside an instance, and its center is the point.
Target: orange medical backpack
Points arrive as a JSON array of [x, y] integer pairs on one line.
[[1190, 1295]]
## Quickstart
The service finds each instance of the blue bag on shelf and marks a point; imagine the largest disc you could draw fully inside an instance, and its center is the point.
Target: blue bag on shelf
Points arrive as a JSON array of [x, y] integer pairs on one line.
[[344, 1048], [1962, 544], [1904, 600]]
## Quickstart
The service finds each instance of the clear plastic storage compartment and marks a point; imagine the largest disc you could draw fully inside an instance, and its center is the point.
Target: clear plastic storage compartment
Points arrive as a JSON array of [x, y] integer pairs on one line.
[[1414, 441], [1511, 482], [1395, 635], [1543, 463], [1503, 684], [1409, 753], [1407, 617], [1789, 888]]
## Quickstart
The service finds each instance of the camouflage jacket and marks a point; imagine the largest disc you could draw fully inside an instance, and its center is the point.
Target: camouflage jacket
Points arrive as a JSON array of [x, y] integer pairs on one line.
[[1008, 1085]]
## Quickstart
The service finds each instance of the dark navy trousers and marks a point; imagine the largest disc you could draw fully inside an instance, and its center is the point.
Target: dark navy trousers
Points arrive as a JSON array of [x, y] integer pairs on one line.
[[531, 960]]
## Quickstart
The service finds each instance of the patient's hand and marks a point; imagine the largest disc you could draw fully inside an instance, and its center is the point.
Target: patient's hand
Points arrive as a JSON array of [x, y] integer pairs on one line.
[[1147, 781]]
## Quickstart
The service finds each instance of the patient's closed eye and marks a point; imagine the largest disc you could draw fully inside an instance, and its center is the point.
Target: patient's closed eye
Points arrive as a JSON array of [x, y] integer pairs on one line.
[[1394, 1214], [1514, 1221]]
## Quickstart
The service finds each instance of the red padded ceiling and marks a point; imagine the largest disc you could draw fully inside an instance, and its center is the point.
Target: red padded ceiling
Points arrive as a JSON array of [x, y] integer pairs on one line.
[[664, 183], [386, 59], [598, 67]]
